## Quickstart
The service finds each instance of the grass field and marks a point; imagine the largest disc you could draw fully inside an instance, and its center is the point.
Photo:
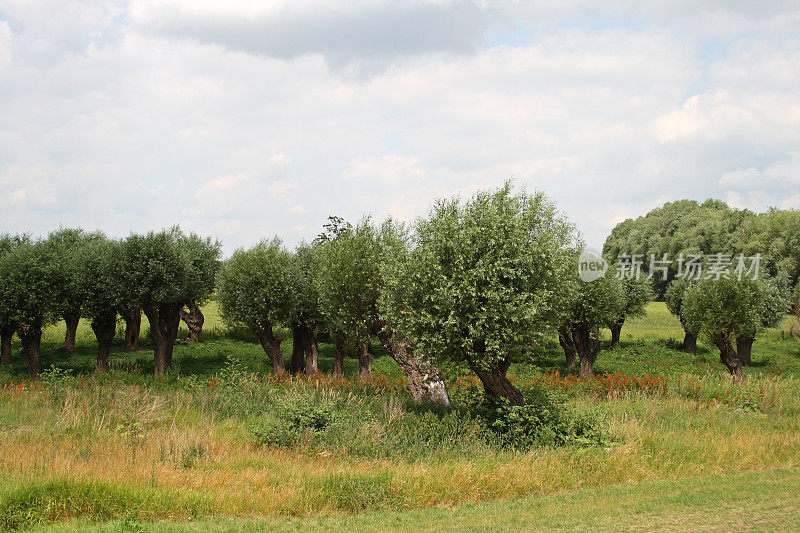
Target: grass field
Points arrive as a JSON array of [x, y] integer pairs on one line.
[[680, 447]]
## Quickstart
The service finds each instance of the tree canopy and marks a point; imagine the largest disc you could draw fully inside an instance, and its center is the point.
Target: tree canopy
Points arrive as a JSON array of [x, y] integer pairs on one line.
[[481, 285]]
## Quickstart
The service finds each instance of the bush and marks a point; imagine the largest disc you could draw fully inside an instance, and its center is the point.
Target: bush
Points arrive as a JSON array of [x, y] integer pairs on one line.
[[542, 421]]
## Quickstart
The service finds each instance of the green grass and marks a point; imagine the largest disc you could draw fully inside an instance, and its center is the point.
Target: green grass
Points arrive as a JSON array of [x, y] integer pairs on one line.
[[221, 444], [763, 501]]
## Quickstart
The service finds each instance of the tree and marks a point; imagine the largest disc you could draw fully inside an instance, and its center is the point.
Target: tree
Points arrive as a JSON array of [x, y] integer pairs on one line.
[[422, 373], [775, 301], [66, 244], [255, 290], [7, 324], [305, 313], [101, 274], [775, 235], [161, 273], [685, 226], [674, 299], [636, 294], [348, 283], [28, 284], [481, 285], [592, 305], [723, 310], [203, 255]]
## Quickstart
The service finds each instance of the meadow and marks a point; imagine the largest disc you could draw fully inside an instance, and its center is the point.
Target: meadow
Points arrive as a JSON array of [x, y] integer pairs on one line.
[[220, 443]]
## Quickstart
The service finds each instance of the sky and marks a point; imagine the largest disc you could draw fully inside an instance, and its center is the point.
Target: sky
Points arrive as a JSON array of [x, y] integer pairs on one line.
[[247, 119]]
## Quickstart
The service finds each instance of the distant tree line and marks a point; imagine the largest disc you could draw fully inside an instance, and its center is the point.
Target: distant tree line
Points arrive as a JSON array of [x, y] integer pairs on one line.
[[478, 284]]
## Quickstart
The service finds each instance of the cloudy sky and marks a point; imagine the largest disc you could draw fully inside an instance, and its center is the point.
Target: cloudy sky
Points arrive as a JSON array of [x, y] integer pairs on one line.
[[245, 119]]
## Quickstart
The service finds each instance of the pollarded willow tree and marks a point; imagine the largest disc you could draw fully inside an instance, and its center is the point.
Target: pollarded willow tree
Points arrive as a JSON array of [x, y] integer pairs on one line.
[[66, 245], [7, 324], [636, 294], [28, 286], [305, 313], [101, 270], [256, 290], [203, 255], [674, 297], [347, 280], [483, 282], [161, 277], [774, 297], [724, 310], [592, 305]]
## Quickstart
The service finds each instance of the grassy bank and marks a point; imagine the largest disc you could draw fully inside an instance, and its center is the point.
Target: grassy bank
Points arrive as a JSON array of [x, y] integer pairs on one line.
[[221, 440]]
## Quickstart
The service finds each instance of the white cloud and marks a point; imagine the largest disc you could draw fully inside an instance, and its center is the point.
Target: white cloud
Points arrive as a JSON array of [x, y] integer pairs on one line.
[[133, 116]]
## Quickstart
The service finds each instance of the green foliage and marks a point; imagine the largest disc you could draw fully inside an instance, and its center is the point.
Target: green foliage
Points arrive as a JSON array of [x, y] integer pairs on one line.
[[483, 283], [348, 280], [636, 294], [542, 421], [685, 226], [255, 287], [29, 282], [596, 303], [168, 268], [100, 271], [65, 246], [723, 308], [776, 236]]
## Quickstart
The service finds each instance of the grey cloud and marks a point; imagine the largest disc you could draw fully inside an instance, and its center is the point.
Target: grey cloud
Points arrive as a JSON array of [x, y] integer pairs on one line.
[[371, 35]]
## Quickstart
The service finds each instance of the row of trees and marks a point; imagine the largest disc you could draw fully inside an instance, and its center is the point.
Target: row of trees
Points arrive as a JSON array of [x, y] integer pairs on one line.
[[478, 284], [73, 274], [730, 312]]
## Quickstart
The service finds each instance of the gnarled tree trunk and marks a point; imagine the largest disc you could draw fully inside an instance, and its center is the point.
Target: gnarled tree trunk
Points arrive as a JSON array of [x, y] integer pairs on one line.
[[133, 326], [31, 338], [565, 340], [104, 327], [496, 383], [689, 344], [728, 356], [71, 320], [272, 347], [587, 344], [744, 348], [338, 357], [364, 361], [6, 334], [164, 322], [423, 375], [310, 352], [194, 321], [616, 332]]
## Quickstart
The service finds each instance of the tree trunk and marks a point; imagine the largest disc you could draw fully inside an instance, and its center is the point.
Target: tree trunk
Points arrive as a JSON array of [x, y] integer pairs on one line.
[[565, 340], [728, 356], [744, 348], [423, 375], [31, 338], [164, 322], [616, 331], [310, 350], [587, 345], [71, 320], [338, 357], [272, 347], [297, 361], [689, 339], [194, 321], [496, 383], [104, 327], [133, 326], [364, 361], [6, 334]]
